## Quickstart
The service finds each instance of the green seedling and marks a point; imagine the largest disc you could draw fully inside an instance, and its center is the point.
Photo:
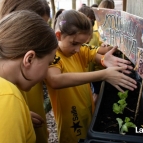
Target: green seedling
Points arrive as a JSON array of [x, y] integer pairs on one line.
[[124, 126], [123, 95], [119, 107]]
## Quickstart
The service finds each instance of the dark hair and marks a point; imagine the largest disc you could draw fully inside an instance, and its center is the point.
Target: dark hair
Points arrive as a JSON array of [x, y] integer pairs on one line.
[[89, 13], [107, 4], [71, 22], [21, 31], [83, 4], [94, 5], [41, 7], [56, 15]]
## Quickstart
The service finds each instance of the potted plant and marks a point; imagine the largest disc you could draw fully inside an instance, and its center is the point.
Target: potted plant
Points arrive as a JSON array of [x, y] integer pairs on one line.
[[107, 126]]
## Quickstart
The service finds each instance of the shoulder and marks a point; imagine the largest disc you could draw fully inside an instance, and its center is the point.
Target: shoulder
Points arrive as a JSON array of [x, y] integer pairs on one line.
[[87, 46], [9, 90]]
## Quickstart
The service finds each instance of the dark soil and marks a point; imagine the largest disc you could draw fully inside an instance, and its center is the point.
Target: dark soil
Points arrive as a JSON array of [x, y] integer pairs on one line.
[[107, 118]]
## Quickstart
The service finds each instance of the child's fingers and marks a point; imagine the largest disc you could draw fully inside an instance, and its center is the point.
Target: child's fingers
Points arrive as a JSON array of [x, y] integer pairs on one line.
[[36, 121], [126, 80], [123, 61], [118, 87], [126, 84], [37, 126], [35, 116], [120, 68], [126, 71], [125, 65]]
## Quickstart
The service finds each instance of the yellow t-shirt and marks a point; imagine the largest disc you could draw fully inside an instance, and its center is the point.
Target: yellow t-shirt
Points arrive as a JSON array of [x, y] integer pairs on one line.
[[95, 41], [35, 100], [73, 106], [15, 120]]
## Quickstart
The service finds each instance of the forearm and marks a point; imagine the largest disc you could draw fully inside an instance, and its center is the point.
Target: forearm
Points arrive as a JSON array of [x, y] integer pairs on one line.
[[97, 58], [104, 49], [64, 80]]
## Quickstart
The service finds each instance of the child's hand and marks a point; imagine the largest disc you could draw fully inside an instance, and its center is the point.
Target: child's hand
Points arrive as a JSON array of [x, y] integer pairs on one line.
[[117, 79], [110, 61], [37, 120]]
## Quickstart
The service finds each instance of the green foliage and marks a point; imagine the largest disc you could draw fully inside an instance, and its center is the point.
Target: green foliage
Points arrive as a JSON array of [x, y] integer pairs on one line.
[[124, 126], [123, 95], [119, 107]]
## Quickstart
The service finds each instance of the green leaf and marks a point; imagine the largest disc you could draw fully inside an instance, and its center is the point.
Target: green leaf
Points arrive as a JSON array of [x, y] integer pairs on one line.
[[120, 122], [123, 95], [127, 119], [124, 129], [122, 101], [123, 107], [117, 109], [130, 125]]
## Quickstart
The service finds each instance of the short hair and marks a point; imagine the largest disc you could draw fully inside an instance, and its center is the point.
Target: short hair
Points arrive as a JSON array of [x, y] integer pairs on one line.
[[94, 5], [107, 4], [56, 15], [88, 11], [83, 4]]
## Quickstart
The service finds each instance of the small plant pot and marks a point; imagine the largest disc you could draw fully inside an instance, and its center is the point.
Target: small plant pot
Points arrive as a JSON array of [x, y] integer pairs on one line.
[[104, 125]]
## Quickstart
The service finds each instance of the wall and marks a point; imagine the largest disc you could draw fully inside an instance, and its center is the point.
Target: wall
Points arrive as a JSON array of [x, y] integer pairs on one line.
[[135, 7]]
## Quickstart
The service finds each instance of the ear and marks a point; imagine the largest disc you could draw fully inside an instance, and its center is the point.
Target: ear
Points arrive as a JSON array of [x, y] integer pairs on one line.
[[29, 58], [58, 35]]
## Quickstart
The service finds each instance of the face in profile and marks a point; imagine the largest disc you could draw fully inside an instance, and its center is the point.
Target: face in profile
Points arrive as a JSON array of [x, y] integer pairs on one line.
[[37, 71]]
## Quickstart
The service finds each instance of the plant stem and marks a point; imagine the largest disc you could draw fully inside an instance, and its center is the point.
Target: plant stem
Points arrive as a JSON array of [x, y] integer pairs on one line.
[[114, 125], [129, 109], [138, 103]]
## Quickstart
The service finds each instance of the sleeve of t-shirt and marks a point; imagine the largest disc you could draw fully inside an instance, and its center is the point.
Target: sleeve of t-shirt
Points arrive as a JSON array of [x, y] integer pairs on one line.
[[58, 64], [13, 120]]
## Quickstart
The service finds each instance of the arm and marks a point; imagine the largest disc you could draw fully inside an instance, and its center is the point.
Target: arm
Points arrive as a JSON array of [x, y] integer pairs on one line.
[[111, 75], [104, 49]]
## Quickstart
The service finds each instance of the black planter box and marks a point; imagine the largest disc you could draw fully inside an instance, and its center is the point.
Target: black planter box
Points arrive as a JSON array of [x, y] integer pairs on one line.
[[102, 125], [95, 141]]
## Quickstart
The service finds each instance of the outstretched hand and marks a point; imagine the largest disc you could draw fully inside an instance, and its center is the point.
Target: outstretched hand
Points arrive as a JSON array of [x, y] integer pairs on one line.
[[37, 120], [110, 61], [117, 79]]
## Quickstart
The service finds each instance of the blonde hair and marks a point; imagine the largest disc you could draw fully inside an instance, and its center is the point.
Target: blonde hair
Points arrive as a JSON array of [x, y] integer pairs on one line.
[[41, 7], [107, 4], [21, 31]]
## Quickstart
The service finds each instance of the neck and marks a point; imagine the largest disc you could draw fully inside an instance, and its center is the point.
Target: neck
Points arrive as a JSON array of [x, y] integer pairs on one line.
[[9, 70]]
